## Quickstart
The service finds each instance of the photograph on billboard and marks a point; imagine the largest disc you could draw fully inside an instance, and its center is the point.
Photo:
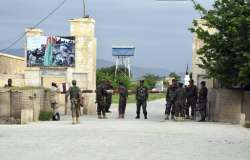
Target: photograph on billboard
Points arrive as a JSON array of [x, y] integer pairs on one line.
[[50, 51]]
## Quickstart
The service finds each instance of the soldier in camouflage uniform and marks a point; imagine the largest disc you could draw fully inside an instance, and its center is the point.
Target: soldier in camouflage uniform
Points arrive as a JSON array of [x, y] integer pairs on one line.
[[180, 101], [101, 100], [202, 101], [171, 98], [54, 100], [192, 93], [75, 93], [123, 95], [141, 100], [109, 88]]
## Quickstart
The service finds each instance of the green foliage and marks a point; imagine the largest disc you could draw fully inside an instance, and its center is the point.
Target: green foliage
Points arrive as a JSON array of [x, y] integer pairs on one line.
[[108, 73], [176, 76], [45, 116], [247, 125], [226, 52], [150, 80]]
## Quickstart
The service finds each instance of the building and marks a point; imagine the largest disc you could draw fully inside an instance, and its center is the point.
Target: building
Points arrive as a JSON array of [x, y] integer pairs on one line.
[[83, 70], [198, 74], [11, 67]]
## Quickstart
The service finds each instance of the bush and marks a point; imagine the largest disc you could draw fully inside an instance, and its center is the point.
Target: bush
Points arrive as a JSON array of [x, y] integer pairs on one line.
[[247, 125], [45, 116]]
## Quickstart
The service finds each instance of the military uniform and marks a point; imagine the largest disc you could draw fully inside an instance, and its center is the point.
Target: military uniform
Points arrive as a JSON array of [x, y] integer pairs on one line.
[[202, 102], [101, 101], [74, 92], [54, 99], [123, 95], [180, 102], [108, 87], [141, 101], [171, 99], [191, 92]]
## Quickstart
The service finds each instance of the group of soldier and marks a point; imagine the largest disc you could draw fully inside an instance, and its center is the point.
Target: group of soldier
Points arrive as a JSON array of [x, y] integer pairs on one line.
[[179, 100], [104, 93]]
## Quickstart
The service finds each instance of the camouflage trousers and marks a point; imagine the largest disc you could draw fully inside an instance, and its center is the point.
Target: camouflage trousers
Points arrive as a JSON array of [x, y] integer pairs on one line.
[[141, 104], [203, 109], [122, 106], [170, 107], [180, 108], [75, 108], [190, 103], [101, 108]]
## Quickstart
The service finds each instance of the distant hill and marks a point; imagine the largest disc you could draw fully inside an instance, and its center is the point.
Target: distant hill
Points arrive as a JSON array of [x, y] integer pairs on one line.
[[137, 72]]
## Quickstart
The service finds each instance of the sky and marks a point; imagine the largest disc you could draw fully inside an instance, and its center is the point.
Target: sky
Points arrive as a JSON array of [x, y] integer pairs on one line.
[[158, 30]]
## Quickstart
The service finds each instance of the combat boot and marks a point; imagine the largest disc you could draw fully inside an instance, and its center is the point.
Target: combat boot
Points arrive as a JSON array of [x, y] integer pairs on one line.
[[77, 120], [166, 117], [73, 120], [187, 117], [137, 117], [122, 116], [145, 116], [104, 116], [172, 117]]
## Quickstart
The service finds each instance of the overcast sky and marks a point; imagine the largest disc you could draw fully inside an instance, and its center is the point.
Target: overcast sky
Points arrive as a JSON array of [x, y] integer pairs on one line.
[[158, 30]]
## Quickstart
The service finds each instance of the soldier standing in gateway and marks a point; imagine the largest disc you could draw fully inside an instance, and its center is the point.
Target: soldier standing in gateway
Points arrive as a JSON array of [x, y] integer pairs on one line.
[[101, 100], [141, 100], [54, 100], [202, 101], [180, 102], [123, 95], [109, 88], [192, 93], [75, 93], [171, 99]]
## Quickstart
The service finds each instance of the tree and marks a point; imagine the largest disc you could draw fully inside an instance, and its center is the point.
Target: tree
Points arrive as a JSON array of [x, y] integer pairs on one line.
[[174, 75], [108, 73], [225, 54], [150, 80]]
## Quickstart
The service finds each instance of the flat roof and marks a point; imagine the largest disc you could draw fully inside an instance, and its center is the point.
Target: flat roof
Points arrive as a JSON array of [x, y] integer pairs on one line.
[[116, 46], [11, 56]]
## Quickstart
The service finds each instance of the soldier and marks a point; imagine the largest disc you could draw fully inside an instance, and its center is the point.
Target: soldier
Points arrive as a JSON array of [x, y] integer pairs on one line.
[[202, 101], [191, 91], [109, 88], [9, 84], [101, 100], [54, 101], [123, 95], [180, 101], [141, 99], [75, 93], [171, 98]]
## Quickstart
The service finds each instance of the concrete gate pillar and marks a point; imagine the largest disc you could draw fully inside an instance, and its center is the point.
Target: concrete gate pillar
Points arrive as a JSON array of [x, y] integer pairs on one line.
[[32, 74], [83, 29]]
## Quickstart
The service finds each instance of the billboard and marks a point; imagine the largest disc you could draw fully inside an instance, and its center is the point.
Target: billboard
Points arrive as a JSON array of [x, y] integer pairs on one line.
[[123, 51], [50, 51]]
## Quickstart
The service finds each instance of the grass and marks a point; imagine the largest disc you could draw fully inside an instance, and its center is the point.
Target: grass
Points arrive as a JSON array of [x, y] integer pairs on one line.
[[45, 116], [131, 98]]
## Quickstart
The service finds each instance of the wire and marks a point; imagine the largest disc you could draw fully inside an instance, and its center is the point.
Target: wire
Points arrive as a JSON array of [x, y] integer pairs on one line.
[[34, 26]]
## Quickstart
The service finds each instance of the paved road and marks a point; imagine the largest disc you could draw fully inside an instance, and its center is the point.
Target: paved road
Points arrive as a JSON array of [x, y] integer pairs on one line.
[[128, 139]]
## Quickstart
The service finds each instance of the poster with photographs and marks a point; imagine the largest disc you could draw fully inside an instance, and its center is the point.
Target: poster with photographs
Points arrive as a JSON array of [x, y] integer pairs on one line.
[[50, 51]]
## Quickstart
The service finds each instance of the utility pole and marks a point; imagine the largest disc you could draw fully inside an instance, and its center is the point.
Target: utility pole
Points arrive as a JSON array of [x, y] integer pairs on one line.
[[84, 9]]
